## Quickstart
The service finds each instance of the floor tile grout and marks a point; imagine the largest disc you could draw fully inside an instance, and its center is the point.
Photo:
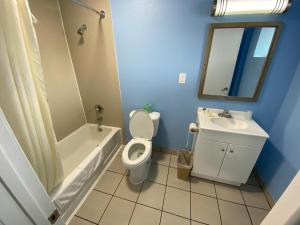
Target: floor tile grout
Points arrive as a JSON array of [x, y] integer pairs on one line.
[[102, 192], [112, 196], [136, 201], [116, 172], [199, 222], [85, 219], [246, 208], [256, 206], [200, 193], [163, 211], [124, 175], [151, 181], [218, 203], [203, 194], [225, 200], [164, 195], [186, 191], [177, 188], [262, 190], [176, 215], [197, 192], [115, 196]]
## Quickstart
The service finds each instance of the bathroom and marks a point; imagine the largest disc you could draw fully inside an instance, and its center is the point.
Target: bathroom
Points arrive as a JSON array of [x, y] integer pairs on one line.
[[81, 79]]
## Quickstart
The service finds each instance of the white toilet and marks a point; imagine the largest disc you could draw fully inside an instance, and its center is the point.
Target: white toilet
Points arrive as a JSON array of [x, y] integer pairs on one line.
[[136, 155]]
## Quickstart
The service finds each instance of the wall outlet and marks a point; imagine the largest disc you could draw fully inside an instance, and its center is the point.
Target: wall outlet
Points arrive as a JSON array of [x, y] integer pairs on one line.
[[182, 78]]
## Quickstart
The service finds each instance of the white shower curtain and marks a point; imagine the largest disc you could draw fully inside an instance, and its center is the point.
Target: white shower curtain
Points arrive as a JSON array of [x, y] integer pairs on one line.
[[22, 91]]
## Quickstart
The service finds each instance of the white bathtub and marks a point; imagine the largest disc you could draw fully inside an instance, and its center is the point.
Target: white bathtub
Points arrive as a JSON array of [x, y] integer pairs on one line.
[[84, 153]]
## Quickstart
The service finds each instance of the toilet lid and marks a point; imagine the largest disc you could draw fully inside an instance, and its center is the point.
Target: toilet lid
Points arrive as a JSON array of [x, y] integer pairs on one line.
[[141, 125]]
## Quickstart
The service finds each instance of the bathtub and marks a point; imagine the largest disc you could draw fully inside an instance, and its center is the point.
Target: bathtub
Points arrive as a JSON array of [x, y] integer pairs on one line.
[[84, 153]]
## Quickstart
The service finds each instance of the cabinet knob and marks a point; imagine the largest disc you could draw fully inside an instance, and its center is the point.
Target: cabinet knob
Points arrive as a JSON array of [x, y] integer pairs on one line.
[[222, 150], [231, 151]]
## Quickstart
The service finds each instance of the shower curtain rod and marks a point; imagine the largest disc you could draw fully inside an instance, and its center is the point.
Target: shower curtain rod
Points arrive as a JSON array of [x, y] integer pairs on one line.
[[80, 3]]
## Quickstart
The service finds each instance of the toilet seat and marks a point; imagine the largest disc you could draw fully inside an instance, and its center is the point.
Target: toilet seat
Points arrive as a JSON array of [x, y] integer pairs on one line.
[[141, 125], [130, 149], [136, 155]]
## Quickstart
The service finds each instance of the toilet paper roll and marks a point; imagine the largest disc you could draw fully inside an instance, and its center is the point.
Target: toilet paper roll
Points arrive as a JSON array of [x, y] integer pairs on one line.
[[193, 128]]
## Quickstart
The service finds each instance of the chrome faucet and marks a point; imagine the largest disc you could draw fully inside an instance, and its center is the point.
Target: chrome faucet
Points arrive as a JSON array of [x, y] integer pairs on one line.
[[99, 109], [225, 114]]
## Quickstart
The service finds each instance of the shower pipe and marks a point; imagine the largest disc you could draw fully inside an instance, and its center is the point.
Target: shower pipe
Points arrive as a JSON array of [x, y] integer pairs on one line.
[[82, 4]]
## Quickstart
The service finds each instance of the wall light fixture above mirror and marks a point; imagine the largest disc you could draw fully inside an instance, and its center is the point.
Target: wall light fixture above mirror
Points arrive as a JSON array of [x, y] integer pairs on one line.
[[238, 7], [237, 59]]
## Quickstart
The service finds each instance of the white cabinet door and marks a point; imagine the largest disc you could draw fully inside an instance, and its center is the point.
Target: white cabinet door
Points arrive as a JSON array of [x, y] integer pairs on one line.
[[208, 157], [238, 163]]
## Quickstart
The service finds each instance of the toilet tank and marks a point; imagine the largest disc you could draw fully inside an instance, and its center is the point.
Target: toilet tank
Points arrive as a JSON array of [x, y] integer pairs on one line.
[[155, 116]]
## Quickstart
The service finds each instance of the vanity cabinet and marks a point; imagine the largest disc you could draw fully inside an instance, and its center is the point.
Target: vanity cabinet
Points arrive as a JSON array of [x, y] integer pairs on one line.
[[226, 149], [209, 157], [224, 162], [238, 163]]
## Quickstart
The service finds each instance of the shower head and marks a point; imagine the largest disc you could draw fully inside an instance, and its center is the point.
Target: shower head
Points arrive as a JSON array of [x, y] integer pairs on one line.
[[81, 29]]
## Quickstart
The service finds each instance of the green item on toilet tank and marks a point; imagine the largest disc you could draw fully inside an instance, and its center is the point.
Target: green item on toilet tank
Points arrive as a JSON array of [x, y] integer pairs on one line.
[[148, 107]]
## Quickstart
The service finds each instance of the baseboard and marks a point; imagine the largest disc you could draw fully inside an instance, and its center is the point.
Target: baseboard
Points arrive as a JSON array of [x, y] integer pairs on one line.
[[165, 150], [260, 181], [265, 189], [194, 174]]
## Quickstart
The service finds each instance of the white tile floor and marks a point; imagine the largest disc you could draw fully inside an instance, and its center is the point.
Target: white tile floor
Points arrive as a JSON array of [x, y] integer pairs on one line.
[[166, 200]]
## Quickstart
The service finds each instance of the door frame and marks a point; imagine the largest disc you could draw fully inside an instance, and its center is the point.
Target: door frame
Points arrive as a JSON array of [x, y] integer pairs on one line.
[[21, 180], [286, 210]]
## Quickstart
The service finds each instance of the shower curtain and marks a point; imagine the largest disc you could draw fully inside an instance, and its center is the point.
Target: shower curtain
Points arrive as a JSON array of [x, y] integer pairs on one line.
[[22, 91]]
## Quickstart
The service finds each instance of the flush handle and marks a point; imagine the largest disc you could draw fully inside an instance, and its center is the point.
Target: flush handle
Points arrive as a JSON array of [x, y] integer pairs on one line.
[[231, 151], [222, 150]]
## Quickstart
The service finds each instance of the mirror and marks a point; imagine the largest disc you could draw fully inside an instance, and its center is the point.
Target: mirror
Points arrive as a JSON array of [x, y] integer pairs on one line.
[[236, 60]]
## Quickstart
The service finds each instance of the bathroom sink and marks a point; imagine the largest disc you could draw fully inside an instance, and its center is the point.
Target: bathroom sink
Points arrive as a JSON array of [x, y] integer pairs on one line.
[[237, 126], [229, 123]]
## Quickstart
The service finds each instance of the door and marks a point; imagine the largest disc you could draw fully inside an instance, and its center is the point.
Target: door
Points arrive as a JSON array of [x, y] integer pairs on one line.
[[24, 197], [238, 163], [208, 157], [12, 213], [286, 211]]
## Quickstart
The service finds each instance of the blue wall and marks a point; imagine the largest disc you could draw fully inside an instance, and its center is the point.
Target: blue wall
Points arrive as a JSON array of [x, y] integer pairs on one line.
[[157, 39], [280, 160]]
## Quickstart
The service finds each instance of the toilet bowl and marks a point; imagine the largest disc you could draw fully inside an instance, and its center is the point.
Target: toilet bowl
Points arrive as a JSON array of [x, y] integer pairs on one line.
[[136, 156]]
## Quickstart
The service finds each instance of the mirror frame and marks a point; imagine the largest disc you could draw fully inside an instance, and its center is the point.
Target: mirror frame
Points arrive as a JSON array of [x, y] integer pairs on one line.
[[213, 26]]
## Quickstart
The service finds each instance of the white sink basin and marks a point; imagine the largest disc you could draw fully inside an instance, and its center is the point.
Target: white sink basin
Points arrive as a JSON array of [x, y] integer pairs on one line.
[[239, 124], [231, 123]]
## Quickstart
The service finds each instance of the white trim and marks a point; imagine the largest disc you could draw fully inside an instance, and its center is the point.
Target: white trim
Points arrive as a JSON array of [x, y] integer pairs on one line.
[[118, 75]]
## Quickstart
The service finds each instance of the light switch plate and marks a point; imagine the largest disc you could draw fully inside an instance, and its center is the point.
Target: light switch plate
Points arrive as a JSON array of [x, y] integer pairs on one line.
[[181, 78]]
